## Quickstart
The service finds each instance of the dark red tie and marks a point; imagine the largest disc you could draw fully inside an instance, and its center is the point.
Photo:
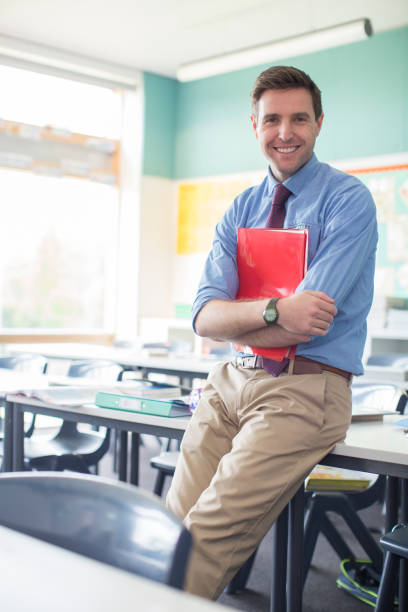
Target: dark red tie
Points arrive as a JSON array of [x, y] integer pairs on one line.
[[276, 215], [276, 218]]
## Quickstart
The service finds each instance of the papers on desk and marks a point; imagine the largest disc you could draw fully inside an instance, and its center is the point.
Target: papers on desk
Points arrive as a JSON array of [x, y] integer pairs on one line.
[[371, 401], [62, 396], [369, 413], [86, 391], [11, 381]]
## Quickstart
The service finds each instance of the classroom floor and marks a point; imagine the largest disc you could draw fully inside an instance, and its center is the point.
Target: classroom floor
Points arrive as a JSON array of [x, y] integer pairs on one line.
[[320, 594]]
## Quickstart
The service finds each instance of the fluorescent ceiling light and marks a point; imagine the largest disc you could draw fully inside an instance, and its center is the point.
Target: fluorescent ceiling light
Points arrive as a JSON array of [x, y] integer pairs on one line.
[[280, 49], [34, 54]]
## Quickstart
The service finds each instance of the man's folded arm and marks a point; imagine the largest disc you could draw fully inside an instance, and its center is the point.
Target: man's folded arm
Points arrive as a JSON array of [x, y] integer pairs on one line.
[[306, 314]]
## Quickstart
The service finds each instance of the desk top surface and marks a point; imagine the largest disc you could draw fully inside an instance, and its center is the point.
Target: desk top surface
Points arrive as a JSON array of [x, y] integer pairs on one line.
[[57, 579], [131, 357], [177, 423], [376, 440]]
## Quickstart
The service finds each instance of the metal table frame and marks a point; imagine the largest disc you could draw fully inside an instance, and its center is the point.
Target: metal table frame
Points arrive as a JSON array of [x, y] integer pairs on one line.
[[124, 422], [287, 572]]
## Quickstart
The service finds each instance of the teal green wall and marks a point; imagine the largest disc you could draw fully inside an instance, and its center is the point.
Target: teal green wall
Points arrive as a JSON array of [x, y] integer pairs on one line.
[[160, 113], [365, 100]]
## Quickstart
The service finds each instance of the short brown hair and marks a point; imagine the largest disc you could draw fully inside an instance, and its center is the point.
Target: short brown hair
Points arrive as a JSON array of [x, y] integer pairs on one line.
[[285, 77]]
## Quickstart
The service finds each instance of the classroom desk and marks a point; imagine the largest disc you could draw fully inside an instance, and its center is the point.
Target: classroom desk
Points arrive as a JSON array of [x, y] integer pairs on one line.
[[36, 576], [133, 422], [186, 368]]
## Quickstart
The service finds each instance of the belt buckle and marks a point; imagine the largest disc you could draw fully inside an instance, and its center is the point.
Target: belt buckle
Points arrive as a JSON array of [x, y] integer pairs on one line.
[[248, 361]]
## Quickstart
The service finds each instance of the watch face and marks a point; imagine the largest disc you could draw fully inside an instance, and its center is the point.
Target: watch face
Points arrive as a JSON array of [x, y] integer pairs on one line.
[[270, 314]]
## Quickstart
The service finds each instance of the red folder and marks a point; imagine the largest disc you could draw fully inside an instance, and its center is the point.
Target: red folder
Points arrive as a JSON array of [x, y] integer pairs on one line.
[[271, 263]]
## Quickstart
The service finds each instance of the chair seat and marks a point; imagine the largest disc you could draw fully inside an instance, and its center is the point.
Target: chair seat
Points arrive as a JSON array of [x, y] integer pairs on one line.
[[84, 444], [165, 461], [396, 541]]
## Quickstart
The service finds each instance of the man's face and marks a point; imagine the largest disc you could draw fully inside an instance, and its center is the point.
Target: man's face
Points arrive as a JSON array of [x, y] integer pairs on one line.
[[287, 129]]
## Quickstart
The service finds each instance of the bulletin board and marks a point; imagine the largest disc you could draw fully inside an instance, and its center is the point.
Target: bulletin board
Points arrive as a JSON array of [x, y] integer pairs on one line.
[[389, 187]]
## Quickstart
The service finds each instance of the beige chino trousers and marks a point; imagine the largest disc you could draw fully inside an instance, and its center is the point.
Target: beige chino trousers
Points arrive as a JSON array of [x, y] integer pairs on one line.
[[251, 442]]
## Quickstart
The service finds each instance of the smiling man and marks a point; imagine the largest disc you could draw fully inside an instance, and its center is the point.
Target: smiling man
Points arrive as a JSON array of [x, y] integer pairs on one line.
[[286, 134], [261, 425]]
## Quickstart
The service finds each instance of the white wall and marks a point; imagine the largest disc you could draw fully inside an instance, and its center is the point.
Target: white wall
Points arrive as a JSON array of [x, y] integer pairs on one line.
[[158, 233]]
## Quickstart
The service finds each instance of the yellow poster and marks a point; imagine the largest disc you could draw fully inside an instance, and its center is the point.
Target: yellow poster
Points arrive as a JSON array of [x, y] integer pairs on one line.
[[200, 207]]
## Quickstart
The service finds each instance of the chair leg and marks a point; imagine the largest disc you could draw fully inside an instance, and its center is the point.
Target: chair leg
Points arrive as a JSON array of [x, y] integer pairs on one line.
[[313, 518], [159, 483], [238, 583], [279, 562], [403, 586], [386, 591], [334, 538], [316, 522]]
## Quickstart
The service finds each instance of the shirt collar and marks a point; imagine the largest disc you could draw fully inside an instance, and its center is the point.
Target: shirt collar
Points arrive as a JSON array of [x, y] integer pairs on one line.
[[297, 181]]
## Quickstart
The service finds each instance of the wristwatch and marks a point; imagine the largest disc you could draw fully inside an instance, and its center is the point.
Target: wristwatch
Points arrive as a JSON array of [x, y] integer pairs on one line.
[[270, 314]]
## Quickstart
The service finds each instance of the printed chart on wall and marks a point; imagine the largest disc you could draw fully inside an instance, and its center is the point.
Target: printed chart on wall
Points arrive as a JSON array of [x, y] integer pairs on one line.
[[389, 187]]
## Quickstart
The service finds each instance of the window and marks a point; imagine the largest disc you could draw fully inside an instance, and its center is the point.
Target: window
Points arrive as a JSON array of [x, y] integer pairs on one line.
[[61, 203]]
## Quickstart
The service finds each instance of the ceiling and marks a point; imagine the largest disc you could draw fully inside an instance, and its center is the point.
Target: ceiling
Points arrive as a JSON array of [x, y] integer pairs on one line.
[[159, 35]]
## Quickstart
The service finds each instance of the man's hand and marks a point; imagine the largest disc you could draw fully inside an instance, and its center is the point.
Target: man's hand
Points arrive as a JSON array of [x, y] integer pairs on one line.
[[308, 312]]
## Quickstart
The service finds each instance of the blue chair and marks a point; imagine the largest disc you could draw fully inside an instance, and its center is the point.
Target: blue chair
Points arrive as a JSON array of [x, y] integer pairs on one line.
[[72, 449], [165, 464], [115, 523], [24, 362], [28, 363], [395, 545]]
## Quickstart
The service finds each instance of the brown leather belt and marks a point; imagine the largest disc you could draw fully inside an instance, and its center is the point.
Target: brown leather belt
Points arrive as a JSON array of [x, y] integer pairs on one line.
[[302, 365]]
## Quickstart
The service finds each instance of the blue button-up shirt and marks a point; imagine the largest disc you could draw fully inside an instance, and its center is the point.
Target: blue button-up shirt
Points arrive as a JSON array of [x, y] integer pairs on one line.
[[340, 215]]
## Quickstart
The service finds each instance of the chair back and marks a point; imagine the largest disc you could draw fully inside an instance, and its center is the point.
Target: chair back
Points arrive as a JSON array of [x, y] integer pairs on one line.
[[378, 396], [98, 369], [112, 522], [24, 362]]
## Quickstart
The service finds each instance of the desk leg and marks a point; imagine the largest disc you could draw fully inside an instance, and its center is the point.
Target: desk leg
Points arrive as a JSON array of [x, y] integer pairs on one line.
[[403, 580], [296, 551], [134, 459], [391, 502], [279, 562], [7, 465], [186, 382], [18, 439], [123, 450]]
